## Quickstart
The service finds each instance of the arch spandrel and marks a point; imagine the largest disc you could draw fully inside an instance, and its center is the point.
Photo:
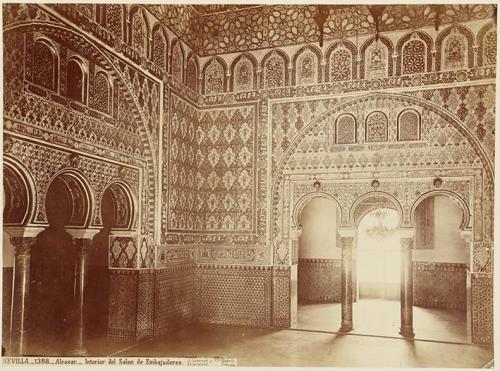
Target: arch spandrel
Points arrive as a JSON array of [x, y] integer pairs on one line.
[[120, 74], [466, 223], [410, 167], [300, 204], [82, 194]]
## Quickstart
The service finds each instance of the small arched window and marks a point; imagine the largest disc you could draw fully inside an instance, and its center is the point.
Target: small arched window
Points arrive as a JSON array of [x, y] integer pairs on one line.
[[102, 93], [139, 32], [376, 127], [377, 61], [306, 68], [346, 129], [192, 74], [243, 75], [214, 77], [340, 65], [274, 71], [177, 64], [454, 52], [76, 81], [414, 53], [159, 49], [45, 63], [409, 125], [490, 48], [114, 19]]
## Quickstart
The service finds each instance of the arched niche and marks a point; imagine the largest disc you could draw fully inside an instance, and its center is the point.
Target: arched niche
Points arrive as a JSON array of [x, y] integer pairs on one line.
[[302, 202], [76, 80], [318, 220], [159, 46], [117, 207], [18, 196], [371, 201], [45, 64], [466, 215], [68, 200]]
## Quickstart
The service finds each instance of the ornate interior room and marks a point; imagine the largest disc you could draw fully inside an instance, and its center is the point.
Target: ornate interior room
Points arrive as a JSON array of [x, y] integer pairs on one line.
[[282, 185]]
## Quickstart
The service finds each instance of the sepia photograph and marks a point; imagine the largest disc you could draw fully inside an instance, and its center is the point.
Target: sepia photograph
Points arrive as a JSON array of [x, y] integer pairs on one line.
[[242, 184]]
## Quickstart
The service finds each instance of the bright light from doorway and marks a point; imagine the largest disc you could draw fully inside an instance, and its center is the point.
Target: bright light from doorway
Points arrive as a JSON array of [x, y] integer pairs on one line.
[[379, 255]]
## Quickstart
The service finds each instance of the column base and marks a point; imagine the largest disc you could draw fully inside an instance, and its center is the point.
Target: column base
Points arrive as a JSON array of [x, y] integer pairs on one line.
[[346, 327], [407, 332]]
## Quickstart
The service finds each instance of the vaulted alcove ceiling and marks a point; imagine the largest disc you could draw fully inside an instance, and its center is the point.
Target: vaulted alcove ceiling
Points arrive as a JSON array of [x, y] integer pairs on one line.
[[226, 28]]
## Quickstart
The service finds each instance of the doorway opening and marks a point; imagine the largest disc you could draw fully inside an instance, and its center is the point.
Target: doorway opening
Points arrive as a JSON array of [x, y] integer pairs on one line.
[[116, 214], [440, 270], [377, 272], [319, 266], [52, 268]]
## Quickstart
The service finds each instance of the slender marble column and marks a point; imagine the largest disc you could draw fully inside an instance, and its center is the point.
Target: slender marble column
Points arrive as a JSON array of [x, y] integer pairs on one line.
[[21, 294], [346, 284], [82, 245], [467, 237], [406, 288]]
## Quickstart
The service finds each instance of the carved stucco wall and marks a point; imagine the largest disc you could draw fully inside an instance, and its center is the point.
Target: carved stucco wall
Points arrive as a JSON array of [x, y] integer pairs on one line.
[[164, 128]]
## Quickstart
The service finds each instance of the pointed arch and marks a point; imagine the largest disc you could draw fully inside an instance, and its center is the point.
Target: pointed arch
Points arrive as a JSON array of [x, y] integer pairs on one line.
[[487, 40], [343, 54], [274, 67], [214, 79], [246, 79], [114, 19], [312, 74], [192, 72], [442, 42], [177, 61], [367, 61], [159, 46], [408, 50], [138, 34]]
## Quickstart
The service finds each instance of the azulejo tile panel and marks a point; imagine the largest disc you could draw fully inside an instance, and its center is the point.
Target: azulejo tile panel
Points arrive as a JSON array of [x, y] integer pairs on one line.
[[439, 285], [236, 295], [174, 297], [122, 304], [482, 308], [318, 280]]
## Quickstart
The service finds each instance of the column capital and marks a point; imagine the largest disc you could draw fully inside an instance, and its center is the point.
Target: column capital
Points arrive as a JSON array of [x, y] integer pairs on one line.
[[78, 233], [22, 245], [466, 235], [346, 232], [24, 231], [407, 233], [295, 233]]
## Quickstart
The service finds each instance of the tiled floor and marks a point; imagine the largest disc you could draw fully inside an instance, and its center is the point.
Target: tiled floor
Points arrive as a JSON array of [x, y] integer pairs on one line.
[[382, 317], [271, 347]]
